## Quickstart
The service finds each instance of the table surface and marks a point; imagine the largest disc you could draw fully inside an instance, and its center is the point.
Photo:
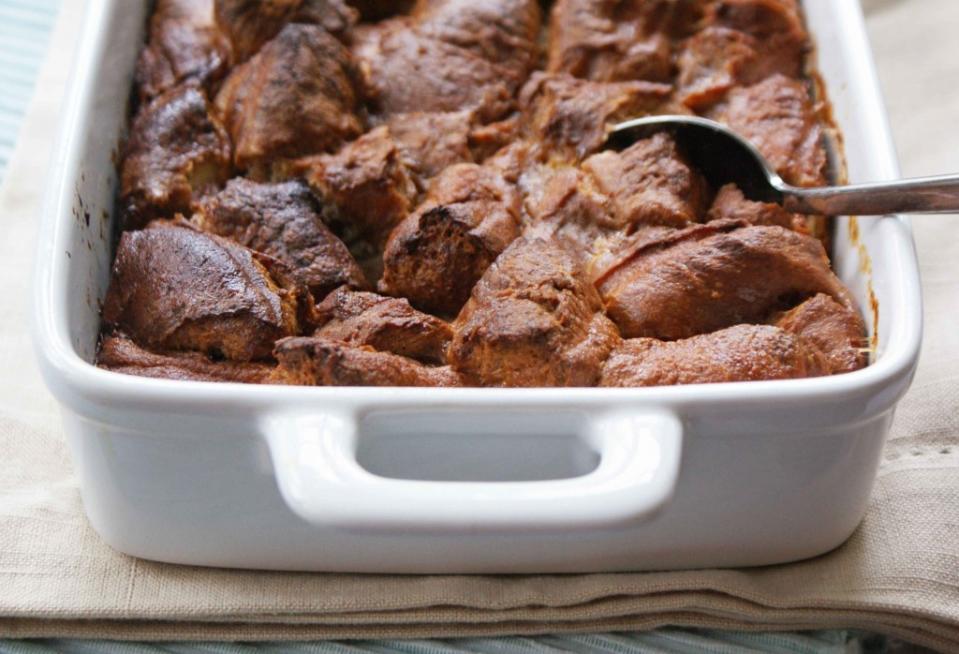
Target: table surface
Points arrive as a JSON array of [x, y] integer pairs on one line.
[[915, 53]]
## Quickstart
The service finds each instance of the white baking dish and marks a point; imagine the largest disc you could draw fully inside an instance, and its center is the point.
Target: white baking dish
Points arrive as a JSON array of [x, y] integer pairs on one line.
[[492, 480]]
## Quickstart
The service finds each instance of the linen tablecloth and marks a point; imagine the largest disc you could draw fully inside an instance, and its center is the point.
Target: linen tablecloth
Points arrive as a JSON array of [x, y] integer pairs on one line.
[[898, 574]]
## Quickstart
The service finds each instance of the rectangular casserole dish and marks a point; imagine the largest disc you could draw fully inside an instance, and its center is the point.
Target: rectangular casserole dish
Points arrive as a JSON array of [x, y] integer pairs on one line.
[[414, 480]]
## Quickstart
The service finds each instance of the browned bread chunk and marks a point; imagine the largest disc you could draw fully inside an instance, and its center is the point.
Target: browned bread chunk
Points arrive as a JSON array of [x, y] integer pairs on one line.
[[564, 202], [436, 255], [183, 44], [177, 288], [296, 96], [386, 324], [283, 221], [836, 329], [738, 353], [249, 24], [778, 116], [120, 354], [175, 151], [649, 183], [366, 186], [777, 30], [432, 141], [407, 71], [502, 32], [712, 62], [533, 320], [570, 117], [313, 361], [712, 276], [617, 41], [731, 204]]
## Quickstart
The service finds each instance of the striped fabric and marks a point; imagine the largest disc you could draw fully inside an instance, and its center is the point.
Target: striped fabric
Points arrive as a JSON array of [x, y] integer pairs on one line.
[[25, 26], [661, 641], [24, 29]]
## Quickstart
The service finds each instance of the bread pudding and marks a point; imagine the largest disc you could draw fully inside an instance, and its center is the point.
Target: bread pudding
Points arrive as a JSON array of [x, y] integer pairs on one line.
[[334, 192]]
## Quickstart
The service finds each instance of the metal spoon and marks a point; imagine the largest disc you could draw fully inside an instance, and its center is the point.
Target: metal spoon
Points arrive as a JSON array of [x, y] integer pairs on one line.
[[723, 156]]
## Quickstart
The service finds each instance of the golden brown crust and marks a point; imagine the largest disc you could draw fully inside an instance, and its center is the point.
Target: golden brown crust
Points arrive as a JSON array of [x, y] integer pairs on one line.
[[183, 44], [282, 221], [502, 32], [610, 42], [731, 204], [533, 320], [837, 330], [432, 141], [738, 353], [176, 288], [406, 71], [120, 354], [297, 96], [386, 324], [571, 117], [249, 24], [366, 185], [778, 116], [175, 151], [437, 254], [713, 276], [314, 361], [776, 27], [649, 183]]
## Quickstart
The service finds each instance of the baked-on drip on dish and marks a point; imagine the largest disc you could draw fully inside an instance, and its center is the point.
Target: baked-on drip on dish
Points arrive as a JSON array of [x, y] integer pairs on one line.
[[347, 192]]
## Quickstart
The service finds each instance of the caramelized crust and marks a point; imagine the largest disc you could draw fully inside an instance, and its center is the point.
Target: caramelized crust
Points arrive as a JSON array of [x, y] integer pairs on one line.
[[613, 198], [437, 254], [314, 361], [175, 151], [430, 142], [407, 71], [249, 24], [649, 183], [502, 32], [533, 320], [712, 276], [120, 354], [183, 44], [617, 41], [366, 185], [731, 204], [778, 116], [738, 353], [570, 117], [712, 62], [296, 96], [283, 221], [384, 323], [835, 329], [176, 288], [776, 27], [564, 202]]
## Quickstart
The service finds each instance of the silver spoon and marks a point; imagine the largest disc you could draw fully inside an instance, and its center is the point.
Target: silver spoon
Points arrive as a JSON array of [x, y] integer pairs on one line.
[[723, 156]]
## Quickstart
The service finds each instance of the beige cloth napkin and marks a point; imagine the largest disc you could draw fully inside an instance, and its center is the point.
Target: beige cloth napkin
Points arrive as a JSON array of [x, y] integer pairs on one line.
[[898, 574]]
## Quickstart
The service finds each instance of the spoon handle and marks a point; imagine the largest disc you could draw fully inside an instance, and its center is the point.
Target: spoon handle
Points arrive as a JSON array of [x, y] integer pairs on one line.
[[938, 194]]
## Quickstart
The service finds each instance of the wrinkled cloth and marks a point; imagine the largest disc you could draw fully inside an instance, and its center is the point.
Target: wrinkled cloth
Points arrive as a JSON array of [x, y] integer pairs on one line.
[[898, 574]]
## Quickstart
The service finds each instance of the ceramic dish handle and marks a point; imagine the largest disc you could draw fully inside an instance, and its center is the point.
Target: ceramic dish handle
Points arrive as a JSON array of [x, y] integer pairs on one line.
[[315, 463]]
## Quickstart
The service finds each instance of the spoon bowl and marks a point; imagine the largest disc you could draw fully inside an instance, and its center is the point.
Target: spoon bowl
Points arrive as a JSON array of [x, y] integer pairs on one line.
[[723, 157]]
